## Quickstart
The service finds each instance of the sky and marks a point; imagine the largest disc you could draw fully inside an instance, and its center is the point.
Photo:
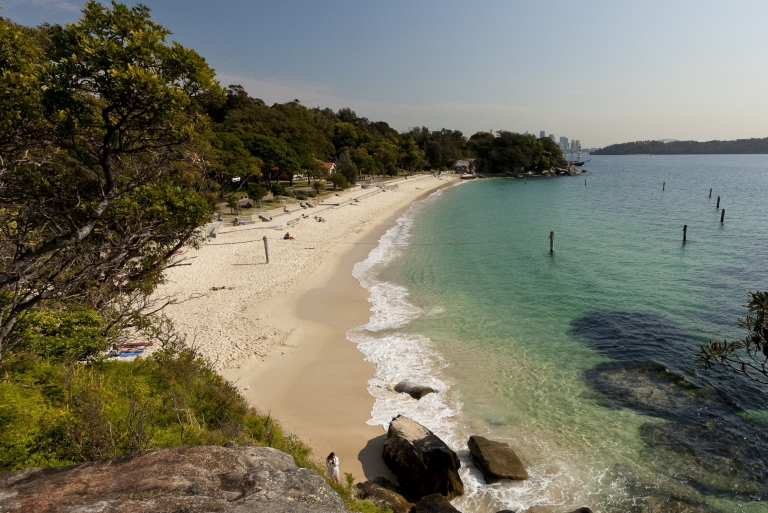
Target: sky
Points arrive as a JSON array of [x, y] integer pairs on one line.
[[602, 72]]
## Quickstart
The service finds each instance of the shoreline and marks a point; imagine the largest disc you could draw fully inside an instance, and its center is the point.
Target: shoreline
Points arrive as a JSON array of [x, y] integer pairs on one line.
[[286, 350]]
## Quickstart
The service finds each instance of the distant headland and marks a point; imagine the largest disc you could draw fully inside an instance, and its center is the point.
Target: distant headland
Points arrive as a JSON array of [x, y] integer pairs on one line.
[[671, 147]]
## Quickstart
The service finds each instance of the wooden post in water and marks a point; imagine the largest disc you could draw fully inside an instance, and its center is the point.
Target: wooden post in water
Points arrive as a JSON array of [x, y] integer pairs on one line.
[[663, 186], [685, 232], [266, 248], [585, 182], [710, 193], [718, 202], [722, 216], [551, 242]]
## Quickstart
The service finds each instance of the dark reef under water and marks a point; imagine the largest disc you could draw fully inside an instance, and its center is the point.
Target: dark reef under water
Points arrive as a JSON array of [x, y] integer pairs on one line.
[[698, 434]]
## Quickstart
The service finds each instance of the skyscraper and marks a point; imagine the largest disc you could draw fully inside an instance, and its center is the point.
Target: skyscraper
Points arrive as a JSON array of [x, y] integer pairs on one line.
[[542, 134], [552, 136], [563, 143]]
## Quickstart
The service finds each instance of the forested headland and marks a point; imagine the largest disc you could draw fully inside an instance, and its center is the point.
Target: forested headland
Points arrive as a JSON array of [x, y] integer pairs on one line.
[[686, 147], [115, 146]]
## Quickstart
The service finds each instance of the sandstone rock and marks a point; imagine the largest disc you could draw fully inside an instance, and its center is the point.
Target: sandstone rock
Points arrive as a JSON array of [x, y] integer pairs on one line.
[[383, 498], [386, 483], [553, 509], [495, 460], [232, 479], [422, 462], [415, 391], [435, 503]]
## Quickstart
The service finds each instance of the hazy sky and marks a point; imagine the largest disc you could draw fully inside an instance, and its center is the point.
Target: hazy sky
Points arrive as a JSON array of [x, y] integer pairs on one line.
[[598, 71]]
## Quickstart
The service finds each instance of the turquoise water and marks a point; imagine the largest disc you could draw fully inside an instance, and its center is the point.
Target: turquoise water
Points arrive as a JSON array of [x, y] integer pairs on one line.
[[583, 360]]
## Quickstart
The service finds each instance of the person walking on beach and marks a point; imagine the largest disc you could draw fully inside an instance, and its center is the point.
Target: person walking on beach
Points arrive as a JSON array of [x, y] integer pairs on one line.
[[332, 462]]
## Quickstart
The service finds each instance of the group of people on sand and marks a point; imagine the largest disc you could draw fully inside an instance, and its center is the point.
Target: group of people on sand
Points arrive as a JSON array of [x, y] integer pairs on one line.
[[319, 219], [287, 236]]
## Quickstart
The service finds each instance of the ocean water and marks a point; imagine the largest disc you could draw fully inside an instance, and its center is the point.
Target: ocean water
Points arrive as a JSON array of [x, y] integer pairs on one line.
[[584, 360]]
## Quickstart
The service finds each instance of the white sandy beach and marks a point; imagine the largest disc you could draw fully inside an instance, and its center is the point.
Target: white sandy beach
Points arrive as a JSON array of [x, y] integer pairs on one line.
[[278, 330]]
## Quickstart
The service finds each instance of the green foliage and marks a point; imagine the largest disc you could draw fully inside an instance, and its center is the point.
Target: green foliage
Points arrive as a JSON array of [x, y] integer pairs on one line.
[[748, 356], [339, 181], [66, 335], [510, 151], [346, 168], [106, 145], [686, 147], [442, 147], [54, 413], [279, 190], [257, 191]]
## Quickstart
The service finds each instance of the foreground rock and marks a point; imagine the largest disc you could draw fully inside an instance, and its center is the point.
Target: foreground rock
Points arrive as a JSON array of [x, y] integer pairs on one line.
[[421, 461], [495, 460], [231, 479], [552, 509], [415, 391], [383, 498], [434, 503]]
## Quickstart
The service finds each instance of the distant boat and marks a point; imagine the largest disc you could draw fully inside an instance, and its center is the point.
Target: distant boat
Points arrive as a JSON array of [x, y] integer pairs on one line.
[[468, 176], [579, 162]]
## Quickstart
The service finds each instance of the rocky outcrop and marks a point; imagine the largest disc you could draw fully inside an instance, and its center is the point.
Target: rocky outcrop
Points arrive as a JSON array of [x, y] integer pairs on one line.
[[382, 497], [495, 460], [422, 462], [230, 479], [415, 391], [435, 503], [552, 509]]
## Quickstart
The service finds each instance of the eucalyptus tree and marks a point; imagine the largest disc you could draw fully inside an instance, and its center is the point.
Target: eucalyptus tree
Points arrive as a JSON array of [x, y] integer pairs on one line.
[[101, 183]]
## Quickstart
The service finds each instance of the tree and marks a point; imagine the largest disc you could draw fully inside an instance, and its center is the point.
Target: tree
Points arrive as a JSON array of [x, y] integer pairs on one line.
[[278, 190], [315, 171], [338, 180], [346, 168], [95, 206], [257, 191], [748, 356]]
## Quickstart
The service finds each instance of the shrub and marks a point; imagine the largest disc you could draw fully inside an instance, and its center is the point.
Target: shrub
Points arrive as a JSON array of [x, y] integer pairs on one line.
[[339, 181]]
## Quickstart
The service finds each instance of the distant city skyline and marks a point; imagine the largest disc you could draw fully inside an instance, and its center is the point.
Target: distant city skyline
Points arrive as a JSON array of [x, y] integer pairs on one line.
[[636, 70]]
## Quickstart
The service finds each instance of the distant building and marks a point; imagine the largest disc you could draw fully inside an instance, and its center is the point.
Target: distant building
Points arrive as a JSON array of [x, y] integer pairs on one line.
[[330, 167], [462, 166], [542, 134], [563, 143], [552, 136]]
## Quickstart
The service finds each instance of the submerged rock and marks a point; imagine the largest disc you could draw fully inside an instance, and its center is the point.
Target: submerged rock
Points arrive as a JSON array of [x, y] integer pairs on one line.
[[703, 443], [415, 391], [435, 503], [423, 463], [232, 479], [383, 497], [495, 460]]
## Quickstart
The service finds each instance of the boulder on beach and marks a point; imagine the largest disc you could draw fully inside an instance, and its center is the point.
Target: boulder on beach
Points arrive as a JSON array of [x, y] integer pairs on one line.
[[495, 460], [189, 478], [422, 462], [415, 391], [383, 497], [435, 503]]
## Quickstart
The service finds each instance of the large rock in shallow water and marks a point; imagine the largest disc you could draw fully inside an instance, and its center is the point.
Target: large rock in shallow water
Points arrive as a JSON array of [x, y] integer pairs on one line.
[[434, 503], [495, 460], [415, 391], [383, 498], [232, 479], [421, 461]]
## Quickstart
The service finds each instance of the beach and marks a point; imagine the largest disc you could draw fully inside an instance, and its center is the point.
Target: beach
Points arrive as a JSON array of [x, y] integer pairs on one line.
[[278, 331]]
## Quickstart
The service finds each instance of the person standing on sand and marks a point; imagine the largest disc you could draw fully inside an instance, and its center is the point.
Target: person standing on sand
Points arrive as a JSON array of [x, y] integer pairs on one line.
[[332, 462]]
